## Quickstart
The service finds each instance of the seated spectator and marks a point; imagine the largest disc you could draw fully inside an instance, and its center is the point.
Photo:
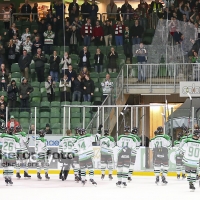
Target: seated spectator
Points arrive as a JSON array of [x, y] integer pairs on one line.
[[12, 95], [48, 129], [112, 60], [84, 56], [27, 45], [97, 34], [3, 77], [50, 86], [13, 31], [86, 32], [136, 33], [25, 35], [65, 62], [107, 85], [71, 74], [39, 60], [2, 112], [83, 73], [49, 36], [32, 130], [24, 63], [2, 101], [88, 88], [78, 88], [54, 66], [177, 36], [65, 88], [73, 41], [36, 45], [119, 29], [12, 123], [98, 60], [11, 53], [108, 30], [25, 90]]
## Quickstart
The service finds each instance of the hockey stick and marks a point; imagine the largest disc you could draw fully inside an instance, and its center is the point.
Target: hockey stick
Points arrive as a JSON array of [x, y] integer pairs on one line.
[[197, 116], [29, 128], [190, 111]]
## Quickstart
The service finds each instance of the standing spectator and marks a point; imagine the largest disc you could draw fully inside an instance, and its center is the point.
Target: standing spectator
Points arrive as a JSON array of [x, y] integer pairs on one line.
[[56, 26], [107, 85], [11, 53], [143, 8], [39, 60], [77, 87], [34, 34], [119, 29], [37, 44], [73, 41], [50, 85], [24, 92], [136, 33], [73, 9], [98, 60], [47, 129], [127, 44], [94, 11], [12, 95], [84, 56], [24, 62], [111, 10], [13, 10], [156, 10], [2, 100], [71, 74], [67, 33], [97, 34], [65, 61], [2, 112], [118, 14], [25, 35], [73, 15], [88, 88], [26, 9], [49, 17], [12, 123], [41, 29], [125, 8], [108, 30], [186, 10], [112, 60], [13, 31], [86, 32], [18, 48], [3, 77], [65, 88], [141, 58], [85, 10], [35, 12], [27, 45], [48, 40], [60, 9], [83, 73], [54, 66], [6, 17]]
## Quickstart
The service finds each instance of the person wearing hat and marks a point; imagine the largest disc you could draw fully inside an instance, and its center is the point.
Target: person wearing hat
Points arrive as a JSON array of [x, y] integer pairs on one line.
[[12, 123], [47, 129]]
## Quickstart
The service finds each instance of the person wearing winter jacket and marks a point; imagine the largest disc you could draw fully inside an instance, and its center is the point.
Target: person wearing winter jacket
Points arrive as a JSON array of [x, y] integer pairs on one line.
[[88, 88], [12, 95], [65, 61]]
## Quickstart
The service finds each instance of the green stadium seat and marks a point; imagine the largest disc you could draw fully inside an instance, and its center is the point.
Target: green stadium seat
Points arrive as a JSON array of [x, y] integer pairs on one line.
[[43, 90], [74, 57], [88, 114], [102, 75], [23, 120], [94, 75], [54, 120], [75, 110], [15, 114], [55, 104], [86, 103], [35, 84], [56, 131], [35, 102], [44, 121], [76, 103], [56, 125], [87, 121], [16, 75], [15, 68], [44, 115], [75, 115], [113, 75], [24, 114], [65, 103]]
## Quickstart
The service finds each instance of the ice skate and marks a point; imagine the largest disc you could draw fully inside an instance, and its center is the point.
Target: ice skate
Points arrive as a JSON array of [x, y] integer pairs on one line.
[[93, 182], [6, 181], [102, 176], [157, 180], [110, 177], [18, 175], [124, 184], [10, 181], [178, 176], [39, 176], [164, 180], [26, 175], [118, 184], [183, 176], [77, 178], [197, 177], [192, 188], [83, 182], [129, 179], [47, 176]]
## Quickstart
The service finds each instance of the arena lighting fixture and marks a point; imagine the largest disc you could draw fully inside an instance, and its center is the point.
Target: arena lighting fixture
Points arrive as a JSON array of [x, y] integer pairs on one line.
[[155, 94]]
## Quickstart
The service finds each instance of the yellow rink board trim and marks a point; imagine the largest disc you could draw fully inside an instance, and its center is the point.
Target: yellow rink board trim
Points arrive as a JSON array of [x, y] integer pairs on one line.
[[97, 172]]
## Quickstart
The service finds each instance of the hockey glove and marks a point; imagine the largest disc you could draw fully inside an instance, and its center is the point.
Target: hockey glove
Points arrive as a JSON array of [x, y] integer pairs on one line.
[[48, 152]]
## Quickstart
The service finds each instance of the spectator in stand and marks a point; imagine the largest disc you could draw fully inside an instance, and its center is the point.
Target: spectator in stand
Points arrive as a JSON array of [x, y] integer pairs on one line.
[[39, 60], [3, 77], [25, 35], [34, 34], [2, 112], [37, 44], [49, 36], [73, 40], [2, 101], [18, 48], [98, 60], [26, 9], [85, 10], [24, 63], [32, 130], [65, 62], [86, 32], [25, 90], [73, 15], [71, 74], [195, 57], [84, 56], [56, 26], [107, 30], [97, 34], [126, 7], [13, 31], [13, 10], [141, 54], [12, 95], [67, 33], [54, 66], [186, 10], [177, 36], [35, 12], [2, 40], [65, 88], [118, 14], [119, 29], [93, 14], [77, 23], [136, 33], [50, 86], [127, 44], [107, 85], [173, 24], [11, 53], [49, 17], [112, 60], [60, 9], [12, 123], [48, 129], [143, 9], [111, 10], [27, 45], [88, 88], [73, 10], [6, 17], [83, 73], [78, 88]]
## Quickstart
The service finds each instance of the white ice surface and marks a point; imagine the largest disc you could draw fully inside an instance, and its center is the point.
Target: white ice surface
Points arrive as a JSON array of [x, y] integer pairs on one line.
[[141, 188]]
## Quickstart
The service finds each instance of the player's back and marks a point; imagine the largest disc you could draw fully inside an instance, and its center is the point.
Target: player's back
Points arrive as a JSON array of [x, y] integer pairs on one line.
[[127, 141], [40, 147], [66, 144], [138, 140], [74, 138], [107, 143], [160, 141], [22, 140], [177, 143]]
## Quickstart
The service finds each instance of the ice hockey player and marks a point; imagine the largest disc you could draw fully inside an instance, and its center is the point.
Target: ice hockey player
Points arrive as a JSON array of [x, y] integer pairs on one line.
[[179, 158], [66, 155], [134, 133], [42, 155], [126, 144], [83, 147], [10, 144], [106, 143], [23, 153], [98, 135], [160, 145], [191, 156]]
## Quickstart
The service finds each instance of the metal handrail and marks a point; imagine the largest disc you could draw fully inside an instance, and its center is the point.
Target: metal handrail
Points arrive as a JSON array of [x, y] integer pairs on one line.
[[23, 14]]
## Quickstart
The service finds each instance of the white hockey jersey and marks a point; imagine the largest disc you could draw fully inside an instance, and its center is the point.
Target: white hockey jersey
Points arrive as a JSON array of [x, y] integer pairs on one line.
[[107, 143], [160, 141], [41, 148], [23, 141], [66, 144]]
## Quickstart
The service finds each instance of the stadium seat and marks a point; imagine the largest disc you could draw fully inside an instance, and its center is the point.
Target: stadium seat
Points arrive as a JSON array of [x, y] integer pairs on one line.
[[44, 115], [75, 115], [55, 104], [55, 125], [54, 120], [102, 75], [24, 114], [35, 102], [56, 131], [45, 106], [16, 75], [15, 114], [23, 120], [75, 120], [94, 75], [75, 110], [76, 103], [113, 75], [15, 68]]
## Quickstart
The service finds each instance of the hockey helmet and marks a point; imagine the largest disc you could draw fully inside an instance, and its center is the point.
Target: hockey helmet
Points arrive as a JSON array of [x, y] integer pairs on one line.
[[18, 128], [134, 130], [156, 132], [106, 132], [2, 128], [11, 131], [185, 130], [127, 129], [179, 136], [77, 131], [42, 133], [160, 129], [196, 133], [82, 131]]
